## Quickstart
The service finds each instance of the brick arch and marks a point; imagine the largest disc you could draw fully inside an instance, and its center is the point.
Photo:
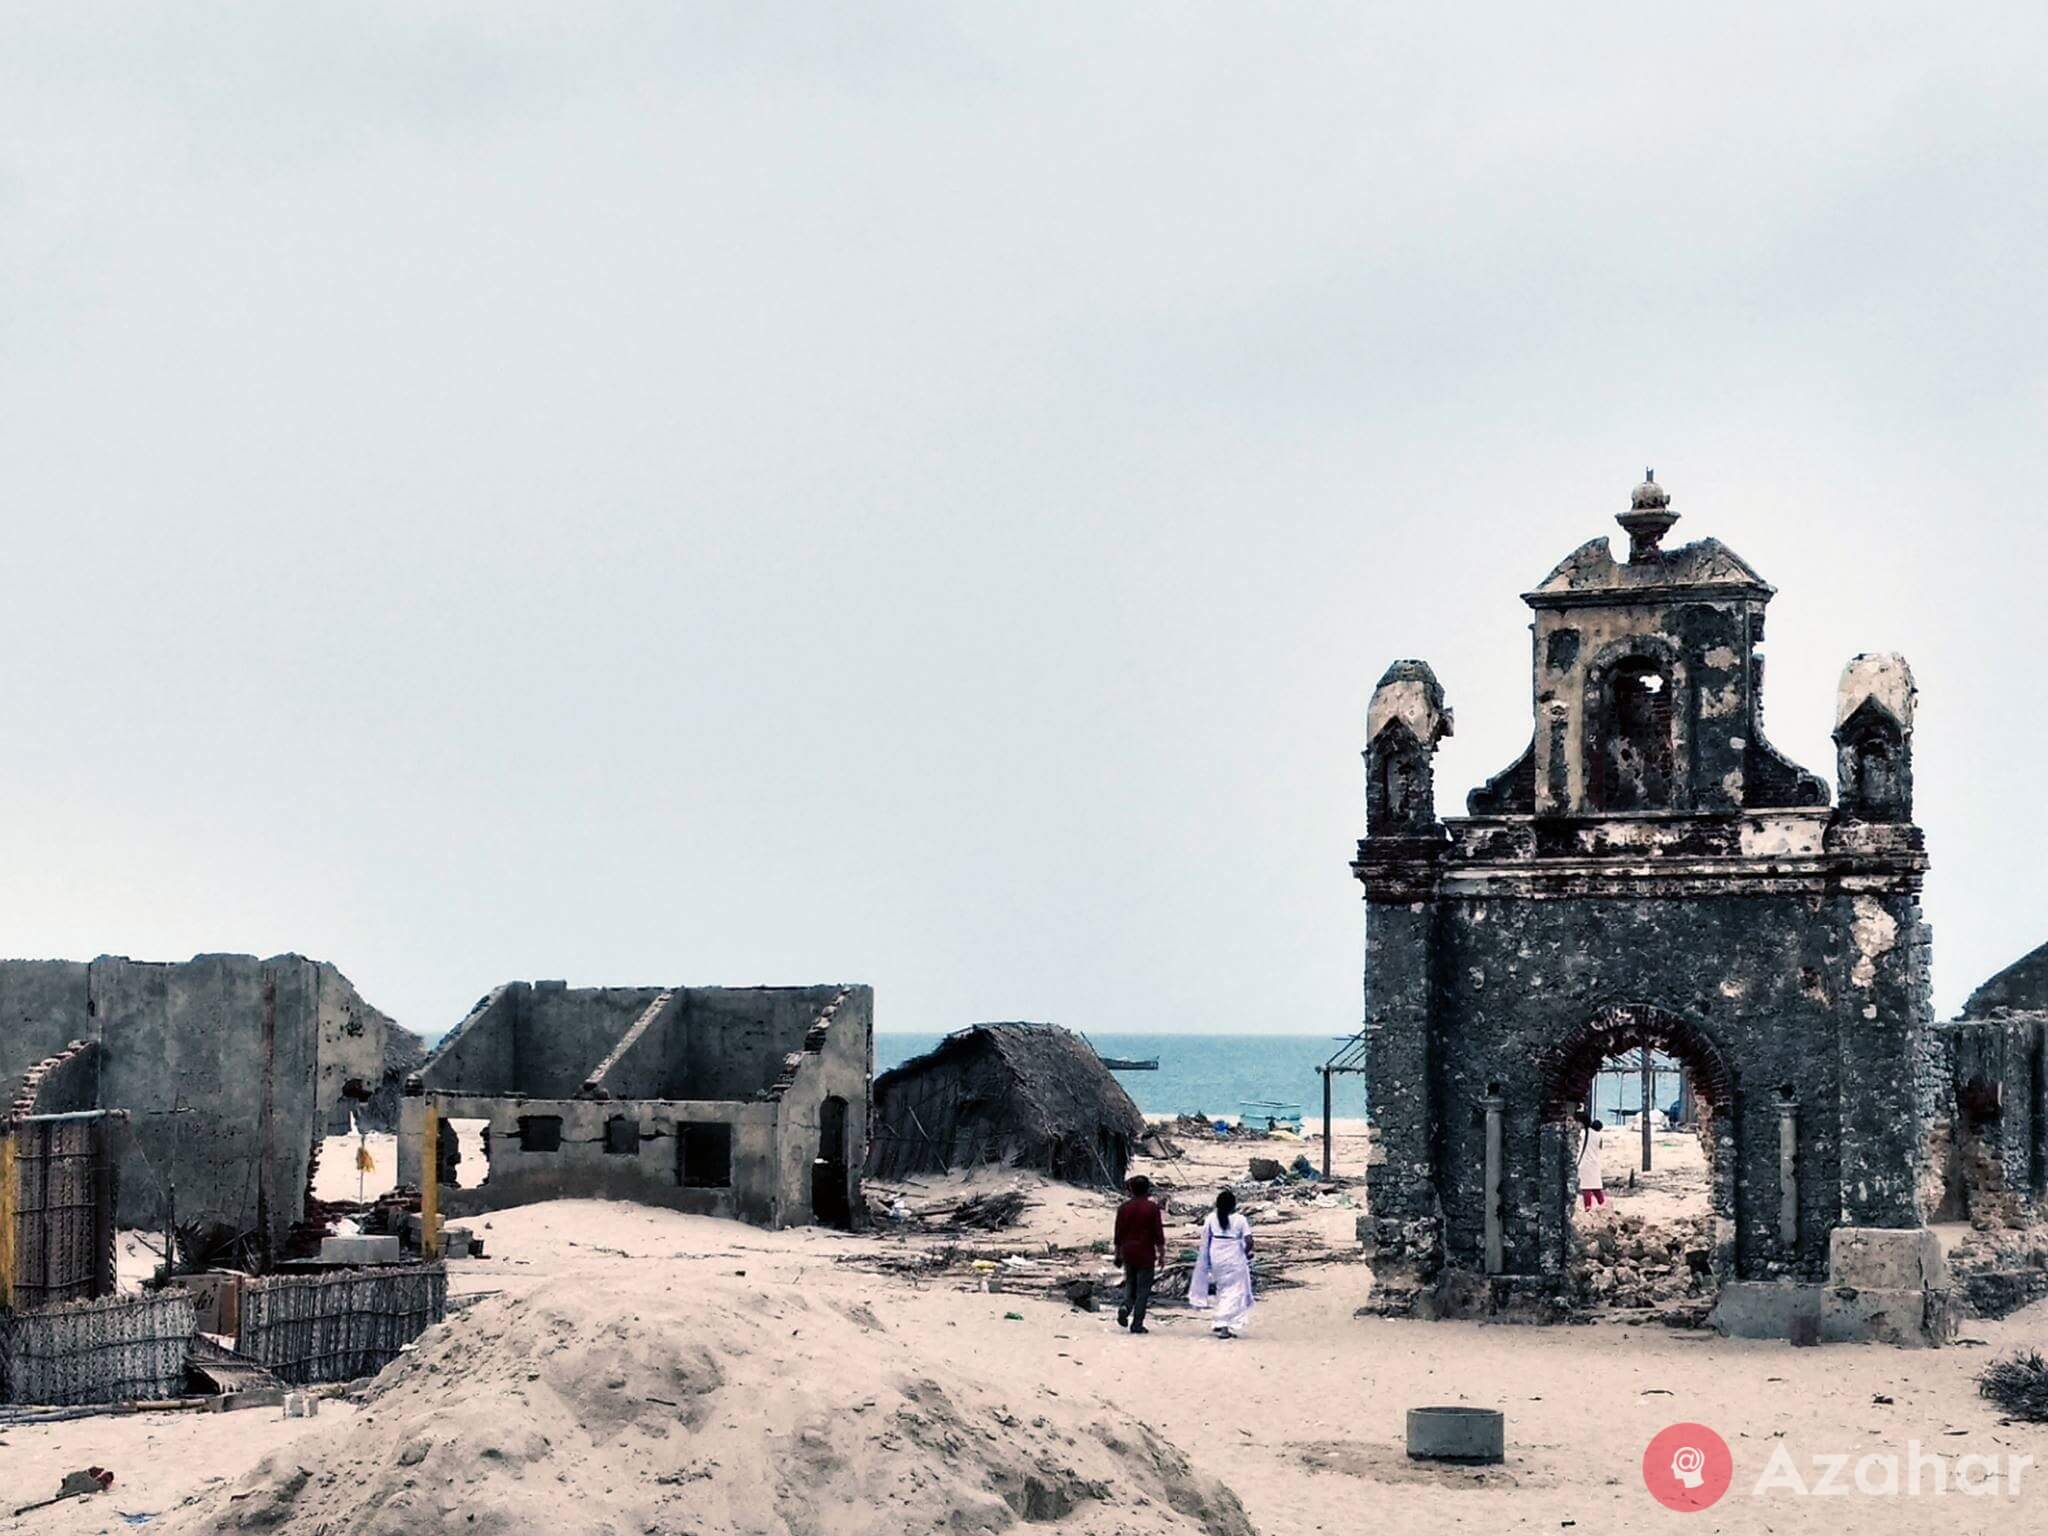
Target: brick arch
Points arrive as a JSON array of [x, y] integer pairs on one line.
[[1568, 1067]]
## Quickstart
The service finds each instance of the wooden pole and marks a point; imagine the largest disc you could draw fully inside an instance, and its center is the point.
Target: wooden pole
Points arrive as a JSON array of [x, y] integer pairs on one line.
[[10, 1205], [430, 1183], [1329, 1161], [1649, 1092]]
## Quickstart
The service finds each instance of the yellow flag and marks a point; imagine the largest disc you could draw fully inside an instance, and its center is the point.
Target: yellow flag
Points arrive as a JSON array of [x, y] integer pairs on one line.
[[364, 1162]]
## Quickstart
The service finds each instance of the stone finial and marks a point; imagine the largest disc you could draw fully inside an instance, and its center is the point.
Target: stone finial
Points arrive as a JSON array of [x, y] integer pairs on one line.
[[1648, 518], [1882, 677], [1405, 721], [1874, 739], [1410, 693]]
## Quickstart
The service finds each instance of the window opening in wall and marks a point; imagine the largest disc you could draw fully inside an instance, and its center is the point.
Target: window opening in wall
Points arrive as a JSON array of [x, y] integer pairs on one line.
[[1635, 739], [540, 1133], [704, 1156], [622, 1135], [472, 1142]]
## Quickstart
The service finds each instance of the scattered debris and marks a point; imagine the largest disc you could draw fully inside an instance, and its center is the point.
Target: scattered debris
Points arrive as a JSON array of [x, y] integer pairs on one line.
[[75, 1485], [2019, 1385]]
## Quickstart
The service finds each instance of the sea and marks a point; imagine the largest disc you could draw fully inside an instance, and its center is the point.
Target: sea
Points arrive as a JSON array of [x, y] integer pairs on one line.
[[1213, 1074], [1201, 1074]]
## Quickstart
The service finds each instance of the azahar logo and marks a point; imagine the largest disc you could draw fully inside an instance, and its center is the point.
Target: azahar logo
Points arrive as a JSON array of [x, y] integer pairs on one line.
[[1687, 1467]]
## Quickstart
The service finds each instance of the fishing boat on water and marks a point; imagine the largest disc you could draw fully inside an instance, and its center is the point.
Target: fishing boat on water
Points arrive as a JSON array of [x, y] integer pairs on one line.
[[1131, 1063]]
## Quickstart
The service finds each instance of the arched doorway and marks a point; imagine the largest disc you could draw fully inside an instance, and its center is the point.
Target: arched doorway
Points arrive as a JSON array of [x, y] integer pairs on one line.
[[1567, 1074]]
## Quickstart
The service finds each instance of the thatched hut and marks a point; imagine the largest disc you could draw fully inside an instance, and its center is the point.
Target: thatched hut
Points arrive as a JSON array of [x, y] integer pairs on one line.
[[1019, 1095]]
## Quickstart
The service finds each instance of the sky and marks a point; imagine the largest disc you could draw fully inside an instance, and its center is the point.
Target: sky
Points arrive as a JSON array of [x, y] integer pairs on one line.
[[921, 494]]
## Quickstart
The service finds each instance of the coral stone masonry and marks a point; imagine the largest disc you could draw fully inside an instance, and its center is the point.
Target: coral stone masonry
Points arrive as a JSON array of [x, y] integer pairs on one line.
[[1650, 872]]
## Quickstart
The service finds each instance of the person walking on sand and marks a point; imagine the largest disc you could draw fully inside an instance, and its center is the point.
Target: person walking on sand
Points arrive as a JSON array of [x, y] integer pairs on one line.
[[1140, 1252], [1592, 1183], [1223, 1265]]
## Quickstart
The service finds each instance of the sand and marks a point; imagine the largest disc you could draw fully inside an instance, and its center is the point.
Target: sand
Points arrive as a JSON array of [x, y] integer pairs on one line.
[[813, 1394]]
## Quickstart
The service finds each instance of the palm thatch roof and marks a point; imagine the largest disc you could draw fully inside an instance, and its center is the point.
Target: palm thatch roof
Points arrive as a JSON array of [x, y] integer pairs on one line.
[[1026, 1095]]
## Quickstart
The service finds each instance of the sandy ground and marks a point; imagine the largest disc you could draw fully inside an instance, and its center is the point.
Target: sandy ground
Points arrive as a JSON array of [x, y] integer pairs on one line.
[[1303, 1419]]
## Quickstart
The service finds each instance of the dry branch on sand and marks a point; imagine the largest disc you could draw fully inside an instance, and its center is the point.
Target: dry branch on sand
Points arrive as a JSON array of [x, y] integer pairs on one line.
[[2019, 1385]]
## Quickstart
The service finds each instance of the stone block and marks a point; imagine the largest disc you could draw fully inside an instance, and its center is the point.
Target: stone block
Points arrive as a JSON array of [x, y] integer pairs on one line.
[[359, 1250], [1766, 1309], [1913, 1317], [1885, 1258]]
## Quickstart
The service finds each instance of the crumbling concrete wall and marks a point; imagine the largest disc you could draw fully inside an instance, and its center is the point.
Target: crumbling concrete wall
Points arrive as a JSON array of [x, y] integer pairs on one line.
[[584, 1166], [768, 1062], [480, 1055], [208, 1083], [735, 1038], [223, 1106], [562, 1033], [44, 1006], [364, 1056], [63, 1084], [836, 1060]]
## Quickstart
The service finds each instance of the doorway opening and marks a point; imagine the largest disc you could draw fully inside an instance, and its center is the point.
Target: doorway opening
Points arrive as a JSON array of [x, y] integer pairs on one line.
[[831, 1183], [1648, 1199]]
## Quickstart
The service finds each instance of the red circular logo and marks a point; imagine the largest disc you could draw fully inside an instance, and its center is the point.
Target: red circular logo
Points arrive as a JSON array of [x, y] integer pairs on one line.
[[1687, 1467]]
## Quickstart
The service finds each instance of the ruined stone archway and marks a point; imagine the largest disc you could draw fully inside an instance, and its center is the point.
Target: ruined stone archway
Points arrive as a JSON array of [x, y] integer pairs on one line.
[[1567, 1070], [1568, 1067]]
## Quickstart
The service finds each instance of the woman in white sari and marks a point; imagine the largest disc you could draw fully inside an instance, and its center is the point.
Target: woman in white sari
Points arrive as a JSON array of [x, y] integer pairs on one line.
[[1223, 1262]]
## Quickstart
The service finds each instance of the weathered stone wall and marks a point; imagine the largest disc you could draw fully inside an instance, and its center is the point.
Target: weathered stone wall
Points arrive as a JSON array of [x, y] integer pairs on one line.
[[1995, 1113], [1757, 976], [1649, 873], [2021, 987]]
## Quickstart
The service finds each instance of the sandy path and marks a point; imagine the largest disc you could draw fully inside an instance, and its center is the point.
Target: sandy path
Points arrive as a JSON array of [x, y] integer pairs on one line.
[[1303, 1419]]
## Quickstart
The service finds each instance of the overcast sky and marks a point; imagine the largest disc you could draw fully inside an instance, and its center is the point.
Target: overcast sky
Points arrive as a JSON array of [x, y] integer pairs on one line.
[[921, 494]]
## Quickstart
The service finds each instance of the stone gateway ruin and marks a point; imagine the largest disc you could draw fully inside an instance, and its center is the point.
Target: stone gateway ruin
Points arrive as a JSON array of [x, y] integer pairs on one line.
[[1650, 872]]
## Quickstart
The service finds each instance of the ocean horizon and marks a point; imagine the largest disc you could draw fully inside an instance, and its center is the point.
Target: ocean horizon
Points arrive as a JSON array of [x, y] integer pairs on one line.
[[1212, 1075], [1198, 1074]]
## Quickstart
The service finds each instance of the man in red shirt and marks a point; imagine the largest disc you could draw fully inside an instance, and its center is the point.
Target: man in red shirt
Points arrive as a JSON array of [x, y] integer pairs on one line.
[[1140, 1252]]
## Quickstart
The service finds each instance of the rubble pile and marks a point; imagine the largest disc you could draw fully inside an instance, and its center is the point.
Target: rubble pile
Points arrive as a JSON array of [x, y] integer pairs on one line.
[[1996, 1270], [1628, 1262]]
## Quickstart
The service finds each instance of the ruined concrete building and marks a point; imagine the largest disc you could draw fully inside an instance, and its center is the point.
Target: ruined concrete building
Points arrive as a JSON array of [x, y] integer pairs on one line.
[[1988, 1084], [1651, 872], [747, 1102], [229, 1069]]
